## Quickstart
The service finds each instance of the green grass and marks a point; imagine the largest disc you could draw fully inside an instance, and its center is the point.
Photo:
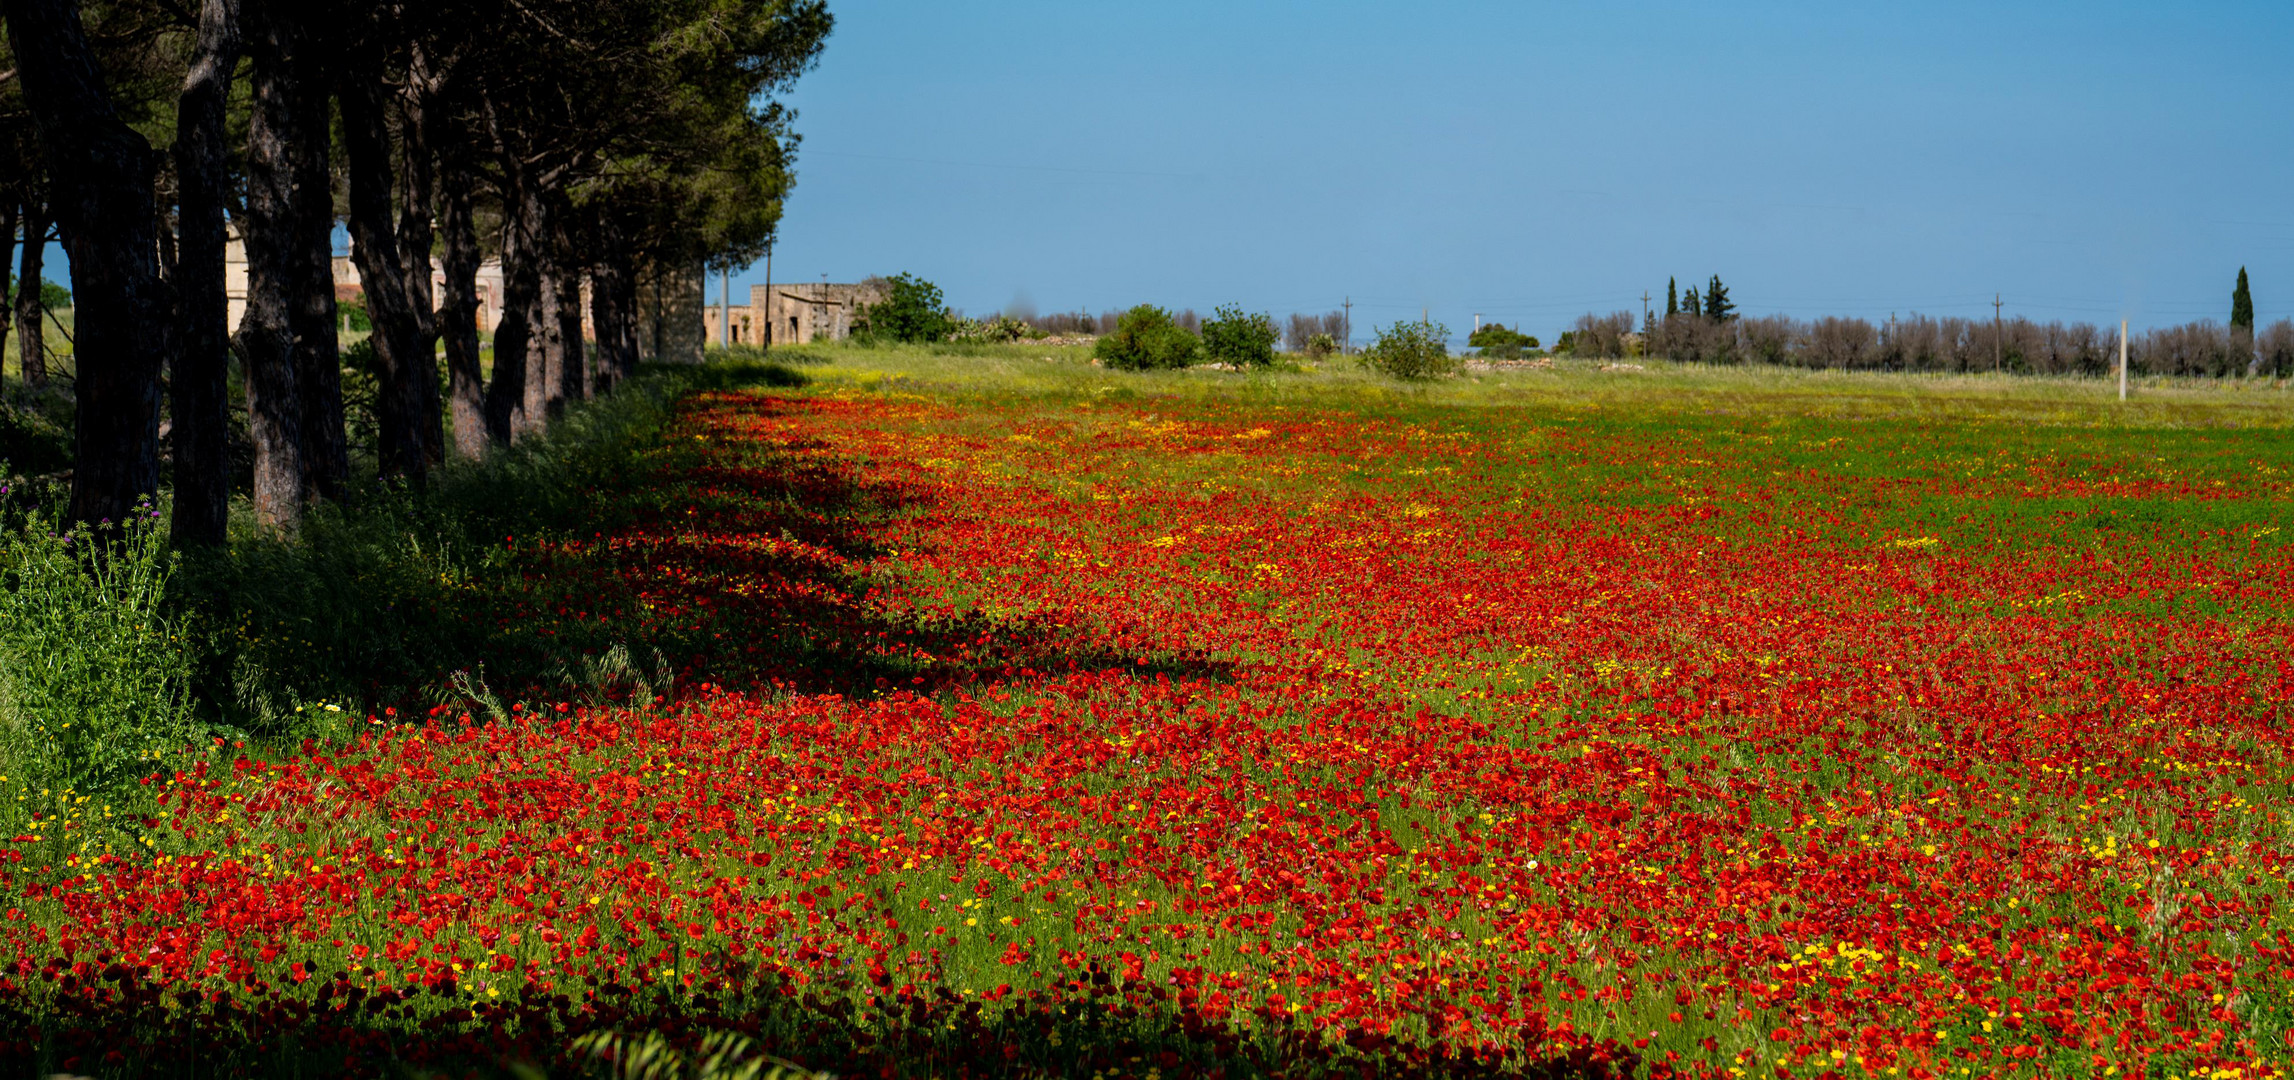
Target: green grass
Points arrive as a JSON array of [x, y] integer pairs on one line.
[[58, 339], [2187, 466], [1660, 389]]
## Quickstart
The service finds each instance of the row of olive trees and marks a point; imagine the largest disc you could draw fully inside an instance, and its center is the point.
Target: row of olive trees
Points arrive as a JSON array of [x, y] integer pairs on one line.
[[592, 145], [1298, 332], [1085, 324], [1946, 344]]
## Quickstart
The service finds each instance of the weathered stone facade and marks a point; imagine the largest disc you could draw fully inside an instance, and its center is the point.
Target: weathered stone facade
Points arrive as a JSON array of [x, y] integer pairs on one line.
[[670, 323], [669, 310], [348, 286], [796, 312]]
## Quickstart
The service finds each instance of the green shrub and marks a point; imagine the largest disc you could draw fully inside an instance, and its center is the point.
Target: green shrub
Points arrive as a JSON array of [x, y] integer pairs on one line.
[[1244, 340], [1001, 330], [1146, 338], [1321, 345], [1495, 340], [912, 311], [355, 316], [36, 429], [1408, 350], [92, 677]]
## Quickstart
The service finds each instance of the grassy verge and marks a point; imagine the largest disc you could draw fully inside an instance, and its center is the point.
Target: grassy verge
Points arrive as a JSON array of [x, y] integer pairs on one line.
[[381, 601], [113, 648]]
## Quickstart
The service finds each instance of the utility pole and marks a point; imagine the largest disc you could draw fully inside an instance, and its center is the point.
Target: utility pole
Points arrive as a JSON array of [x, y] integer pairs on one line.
[[1995, 332], [1644, 307], [1349, 306], [2122, 359], [766, 339]]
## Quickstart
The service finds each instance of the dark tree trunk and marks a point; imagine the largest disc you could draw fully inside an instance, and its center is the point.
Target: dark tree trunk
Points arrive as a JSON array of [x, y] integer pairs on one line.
[[398, 332], [612, 304], [545, 373], [317, 321], [103, 170], [11, 212], [266, 337], [603, 327], [163, 226], [507, 417], [458, 309], [416, 235], [625, 309], [201, 406], [31, 337], [573, 356]]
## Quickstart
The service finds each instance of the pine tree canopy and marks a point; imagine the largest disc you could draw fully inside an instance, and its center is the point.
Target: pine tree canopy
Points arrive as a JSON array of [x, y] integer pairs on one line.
[[1717, 305]]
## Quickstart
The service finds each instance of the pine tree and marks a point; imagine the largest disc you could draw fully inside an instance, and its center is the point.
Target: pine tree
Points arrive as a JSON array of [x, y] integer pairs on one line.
[[2242, 304], [1716, 301], [1672, 298]]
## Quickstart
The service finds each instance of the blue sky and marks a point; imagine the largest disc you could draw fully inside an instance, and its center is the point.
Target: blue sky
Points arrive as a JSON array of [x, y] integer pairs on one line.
[[1535, 161]]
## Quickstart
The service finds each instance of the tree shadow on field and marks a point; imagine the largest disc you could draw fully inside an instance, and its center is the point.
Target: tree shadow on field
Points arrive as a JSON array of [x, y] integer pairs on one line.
[[744, 566], [114, 1026], [654, 538], [650, 540]]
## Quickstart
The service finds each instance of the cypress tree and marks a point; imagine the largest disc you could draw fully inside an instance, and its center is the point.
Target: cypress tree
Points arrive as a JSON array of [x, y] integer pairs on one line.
[[1672, 298], [1716, 301], [2242, 304], [1689, 303]]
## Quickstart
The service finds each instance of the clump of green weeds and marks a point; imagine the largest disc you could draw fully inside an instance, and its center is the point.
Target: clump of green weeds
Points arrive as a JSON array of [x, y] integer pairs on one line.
[[377, 600], [92, 672]]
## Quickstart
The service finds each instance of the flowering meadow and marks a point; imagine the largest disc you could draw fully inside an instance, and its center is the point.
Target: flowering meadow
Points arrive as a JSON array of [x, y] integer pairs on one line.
[[965, 732]]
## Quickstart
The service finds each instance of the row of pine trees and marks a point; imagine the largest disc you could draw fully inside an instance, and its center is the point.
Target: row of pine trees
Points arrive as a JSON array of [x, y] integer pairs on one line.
[[593, 146]]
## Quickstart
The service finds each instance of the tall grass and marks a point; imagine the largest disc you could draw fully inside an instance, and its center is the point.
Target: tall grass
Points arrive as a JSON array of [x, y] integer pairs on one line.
[[116, 651], [92, 674], [380, 600]]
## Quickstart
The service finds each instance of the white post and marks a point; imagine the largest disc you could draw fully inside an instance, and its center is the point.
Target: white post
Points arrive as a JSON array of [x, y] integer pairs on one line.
[[2122, 359]]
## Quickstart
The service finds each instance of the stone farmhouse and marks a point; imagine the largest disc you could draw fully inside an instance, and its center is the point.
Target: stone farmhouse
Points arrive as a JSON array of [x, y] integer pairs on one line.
[[670, 324], [793, 313]]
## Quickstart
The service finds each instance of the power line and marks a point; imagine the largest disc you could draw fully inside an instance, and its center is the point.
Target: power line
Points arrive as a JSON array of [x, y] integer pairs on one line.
[[1008, 165], [1995, 332]]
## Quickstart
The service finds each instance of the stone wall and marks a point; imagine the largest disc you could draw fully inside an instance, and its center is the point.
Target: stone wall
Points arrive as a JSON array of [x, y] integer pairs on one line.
[[670, 325], [796, 312]]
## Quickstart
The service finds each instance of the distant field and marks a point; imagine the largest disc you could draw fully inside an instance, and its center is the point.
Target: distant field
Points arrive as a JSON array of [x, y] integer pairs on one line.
[[1033, 719], [1654, 385], [58, 339]]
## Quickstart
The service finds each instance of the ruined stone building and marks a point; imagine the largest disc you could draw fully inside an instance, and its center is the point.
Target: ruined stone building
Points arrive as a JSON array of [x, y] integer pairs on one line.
[[669, 322], [669, 305], [795, 313]]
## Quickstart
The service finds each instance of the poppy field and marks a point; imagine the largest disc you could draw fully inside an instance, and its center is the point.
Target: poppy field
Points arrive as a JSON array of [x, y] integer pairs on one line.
[[963, 731]]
